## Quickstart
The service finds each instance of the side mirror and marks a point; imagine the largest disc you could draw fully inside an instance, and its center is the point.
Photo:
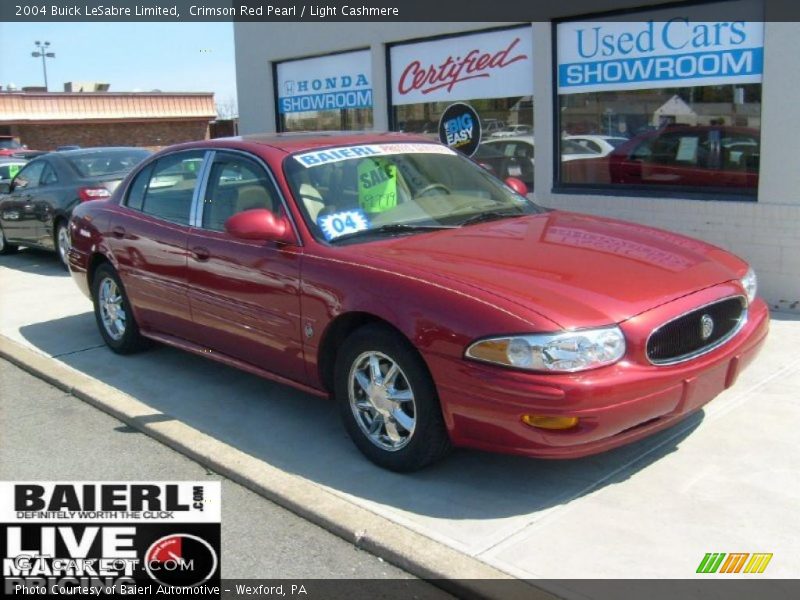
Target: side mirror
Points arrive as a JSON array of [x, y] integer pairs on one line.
[[259, 224], [517, 185], [5, 187]]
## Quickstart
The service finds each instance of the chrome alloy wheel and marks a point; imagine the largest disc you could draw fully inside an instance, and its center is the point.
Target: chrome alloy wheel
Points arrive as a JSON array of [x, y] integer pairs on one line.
[[112, 309], [382, 401], [63, 243]]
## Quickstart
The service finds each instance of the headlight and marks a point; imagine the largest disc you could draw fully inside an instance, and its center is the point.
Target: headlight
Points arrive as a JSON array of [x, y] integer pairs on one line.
[[750, 284], [567, 351]]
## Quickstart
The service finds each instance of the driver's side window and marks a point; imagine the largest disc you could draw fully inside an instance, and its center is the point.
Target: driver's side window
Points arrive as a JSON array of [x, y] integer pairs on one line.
[[30, 175], [236, 184]]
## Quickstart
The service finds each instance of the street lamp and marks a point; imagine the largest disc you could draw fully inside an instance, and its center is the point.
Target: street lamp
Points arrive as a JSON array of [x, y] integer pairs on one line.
[[41, 50]]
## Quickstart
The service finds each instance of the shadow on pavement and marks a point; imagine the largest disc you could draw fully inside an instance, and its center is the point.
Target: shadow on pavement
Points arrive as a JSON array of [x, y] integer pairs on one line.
[[33, 260], [302, 434]]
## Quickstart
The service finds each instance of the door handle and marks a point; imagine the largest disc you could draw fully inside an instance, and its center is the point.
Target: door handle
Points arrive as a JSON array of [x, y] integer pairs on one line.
[[201, 253], [118, 232]]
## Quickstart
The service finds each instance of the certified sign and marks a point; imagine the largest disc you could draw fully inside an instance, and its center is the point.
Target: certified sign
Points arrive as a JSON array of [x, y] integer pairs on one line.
[[496, 64], [460, 128]]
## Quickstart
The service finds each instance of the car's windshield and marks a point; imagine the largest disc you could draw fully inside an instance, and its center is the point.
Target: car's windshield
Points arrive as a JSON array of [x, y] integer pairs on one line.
[[381, 189]]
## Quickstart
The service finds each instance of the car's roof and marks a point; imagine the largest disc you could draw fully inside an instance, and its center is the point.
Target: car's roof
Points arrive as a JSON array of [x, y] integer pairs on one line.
[[99, 150], [297, 142], [10, 159]]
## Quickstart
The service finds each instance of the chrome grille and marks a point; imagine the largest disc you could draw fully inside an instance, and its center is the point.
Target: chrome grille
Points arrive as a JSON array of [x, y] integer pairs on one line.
[[688, 336]]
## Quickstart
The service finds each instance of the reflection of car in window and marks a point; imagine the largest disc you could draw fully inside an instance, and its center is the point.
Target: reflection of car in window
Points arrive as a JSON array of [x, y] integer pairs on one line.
[[512, 130], [599, 144], [701, 156]]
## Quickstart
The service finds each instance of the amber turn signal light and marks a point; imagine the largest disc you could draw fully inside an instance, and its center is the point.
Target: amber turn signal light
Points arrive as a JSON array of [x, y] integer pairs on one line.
[[549, 422]]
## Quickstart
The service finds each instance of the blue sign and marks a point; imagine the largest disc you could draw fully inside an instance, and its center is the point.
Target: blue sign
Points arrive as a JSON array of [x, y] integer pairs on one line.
[[334, 82], [607, 55]]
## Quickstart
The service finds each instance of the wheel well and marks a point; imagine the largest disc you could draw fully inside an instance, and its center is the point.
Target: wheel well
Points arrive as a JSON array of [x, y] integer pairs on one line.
[[333, 338], [94, 263]]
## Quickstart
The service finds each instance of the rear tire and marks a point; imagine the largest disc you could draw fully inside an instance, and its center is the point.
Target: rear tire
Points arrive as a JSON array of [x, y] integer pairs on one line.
[[388, 402], [112, 311], [62, 243], [5, 247]]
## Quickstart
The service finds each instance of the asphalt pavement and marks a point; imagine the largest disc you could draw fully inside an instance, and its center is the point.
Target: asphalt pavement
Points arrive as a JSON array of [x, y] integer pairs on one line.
[[47, 434]]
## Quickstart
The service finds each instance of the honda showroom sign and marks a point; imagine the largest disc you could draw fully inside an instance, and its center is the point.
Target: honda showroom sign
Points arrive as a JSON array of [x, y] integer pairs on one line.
[[605, 56], [496, 64], [325, 83]]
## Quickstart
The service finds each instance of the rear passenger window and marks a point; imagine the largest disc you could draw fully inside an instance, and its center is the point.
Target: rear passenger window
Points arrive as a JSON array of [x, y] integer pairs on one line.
[[171, 186], [236, 184]]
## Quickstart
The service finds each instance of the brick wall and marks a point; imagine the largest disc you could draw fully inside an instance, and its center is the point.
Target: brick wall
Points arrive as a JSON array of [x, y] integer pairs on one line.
[[146, 133]]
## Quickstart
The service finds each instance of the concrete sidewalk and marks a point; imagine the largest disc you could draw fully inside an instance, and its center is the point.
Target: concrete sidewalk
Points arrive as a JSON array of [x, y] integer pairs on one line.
[[725, 480]]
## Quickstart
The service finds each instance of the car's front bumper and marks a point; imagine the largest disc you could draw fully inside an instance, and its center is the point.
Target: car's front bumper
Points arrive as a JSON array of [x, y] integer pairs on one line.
[[483, 405]]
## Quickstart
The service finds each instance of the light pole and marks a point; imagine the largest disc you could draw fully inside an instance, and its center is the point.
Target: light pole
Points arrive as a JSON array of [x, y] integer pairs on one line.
[[41, 50]]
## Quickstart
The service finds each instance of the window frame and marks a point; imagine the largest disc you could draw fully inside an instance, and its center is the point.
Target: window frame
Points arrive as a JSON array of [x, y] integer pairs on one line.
[[28, 186], [390, 107], [669, 192], [195, 221], [276, 90], [201, 204]]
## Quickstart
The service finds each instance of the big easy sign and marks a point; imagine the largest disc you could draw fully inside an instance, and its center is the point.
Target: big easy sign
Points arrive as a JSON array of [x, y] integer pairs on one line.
[[495, 64]]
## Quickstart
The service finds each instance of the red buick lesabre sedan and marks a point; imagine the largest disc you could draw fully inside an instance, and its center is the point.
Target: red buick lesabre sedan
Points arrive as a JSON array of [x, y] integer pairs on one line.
[[436, 304]]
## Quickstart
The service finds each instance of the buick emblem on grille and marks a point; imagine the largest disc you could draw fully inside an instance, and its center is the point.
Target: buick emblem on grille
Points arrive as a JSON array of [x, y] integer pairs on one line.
[[706, 327]]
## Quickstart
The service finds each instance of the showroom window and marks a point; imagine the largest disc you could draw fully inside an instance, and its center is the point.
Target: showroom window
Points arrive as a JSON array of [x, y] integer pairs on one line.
[[325, 93], [492, 71], [669, 102]]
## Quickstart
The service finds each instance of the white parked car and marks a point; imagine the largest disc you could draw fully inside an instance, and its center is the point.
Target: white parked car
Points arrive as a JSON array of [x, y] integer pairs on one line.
[[513, 130], [599, 144]]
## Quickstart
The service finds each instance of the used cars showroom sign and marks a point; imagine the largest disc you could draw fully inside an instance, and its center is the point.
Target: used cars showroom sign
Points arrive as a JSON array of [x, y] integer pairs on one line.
[[325, 83], [604, 56], [497, 64]]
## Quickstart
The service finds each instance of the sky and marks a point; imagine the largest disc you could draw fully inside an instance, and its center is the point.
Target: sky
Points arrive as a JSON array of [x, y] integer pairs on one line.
[[171, 57]]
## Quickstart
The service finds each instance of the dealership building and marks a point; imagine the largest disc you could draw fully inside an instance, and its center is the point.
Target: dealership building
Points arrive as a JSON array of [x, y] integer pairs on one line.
[[700, 100]]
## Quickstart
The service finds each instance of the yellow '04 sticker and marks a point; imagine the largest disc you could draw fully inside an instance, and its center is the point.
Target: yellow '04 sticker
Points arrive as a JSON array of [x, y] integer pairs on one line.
[[377, 185]]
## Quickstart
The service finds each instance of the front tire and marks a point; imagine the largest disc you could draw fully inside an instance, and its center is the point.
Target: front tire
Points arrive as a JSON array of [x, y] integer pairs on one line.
[[5, 247], [112, 311], [388, 402]]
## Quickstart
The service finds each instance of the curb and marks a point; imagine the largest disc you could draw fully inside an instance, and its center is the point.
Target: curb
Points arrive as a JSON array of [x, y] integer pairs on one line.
[[427, 559]]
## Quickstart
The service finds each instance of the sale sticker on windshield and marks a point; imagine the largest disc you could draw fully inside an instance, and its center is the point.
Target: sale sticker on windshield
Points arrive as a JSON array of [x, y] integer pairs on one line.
[[341, 223], [332, 155], [377, 185]]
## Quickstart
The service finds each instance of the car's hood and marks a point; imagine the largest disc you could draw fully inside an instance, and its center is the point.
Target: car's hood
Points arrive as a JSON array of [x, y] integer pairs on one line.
[[576, 270]]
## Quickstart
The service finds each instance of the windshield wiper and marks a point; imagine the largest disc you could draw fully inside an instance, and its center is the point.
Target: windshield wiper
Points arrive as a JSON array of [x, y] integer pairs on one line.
[[390, 228], [489, 216]]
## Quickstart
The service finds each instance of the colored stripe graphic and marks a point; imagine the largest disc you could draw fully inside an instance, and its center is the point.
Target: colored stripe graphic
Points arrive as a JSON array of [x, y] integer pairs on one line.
[[758, 563], [734, 562], [710, 562], [713, 562]]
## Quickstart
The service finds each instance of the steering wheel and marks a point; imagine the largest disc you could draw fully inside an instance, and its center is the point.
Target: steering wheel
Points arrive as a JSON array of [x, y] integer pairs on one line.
[[433, 186]]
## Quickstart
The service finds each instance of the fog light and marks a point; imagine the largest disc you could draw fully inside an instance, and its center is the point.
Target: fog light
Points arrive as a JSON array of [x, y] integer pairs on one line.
[[549, 422]]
